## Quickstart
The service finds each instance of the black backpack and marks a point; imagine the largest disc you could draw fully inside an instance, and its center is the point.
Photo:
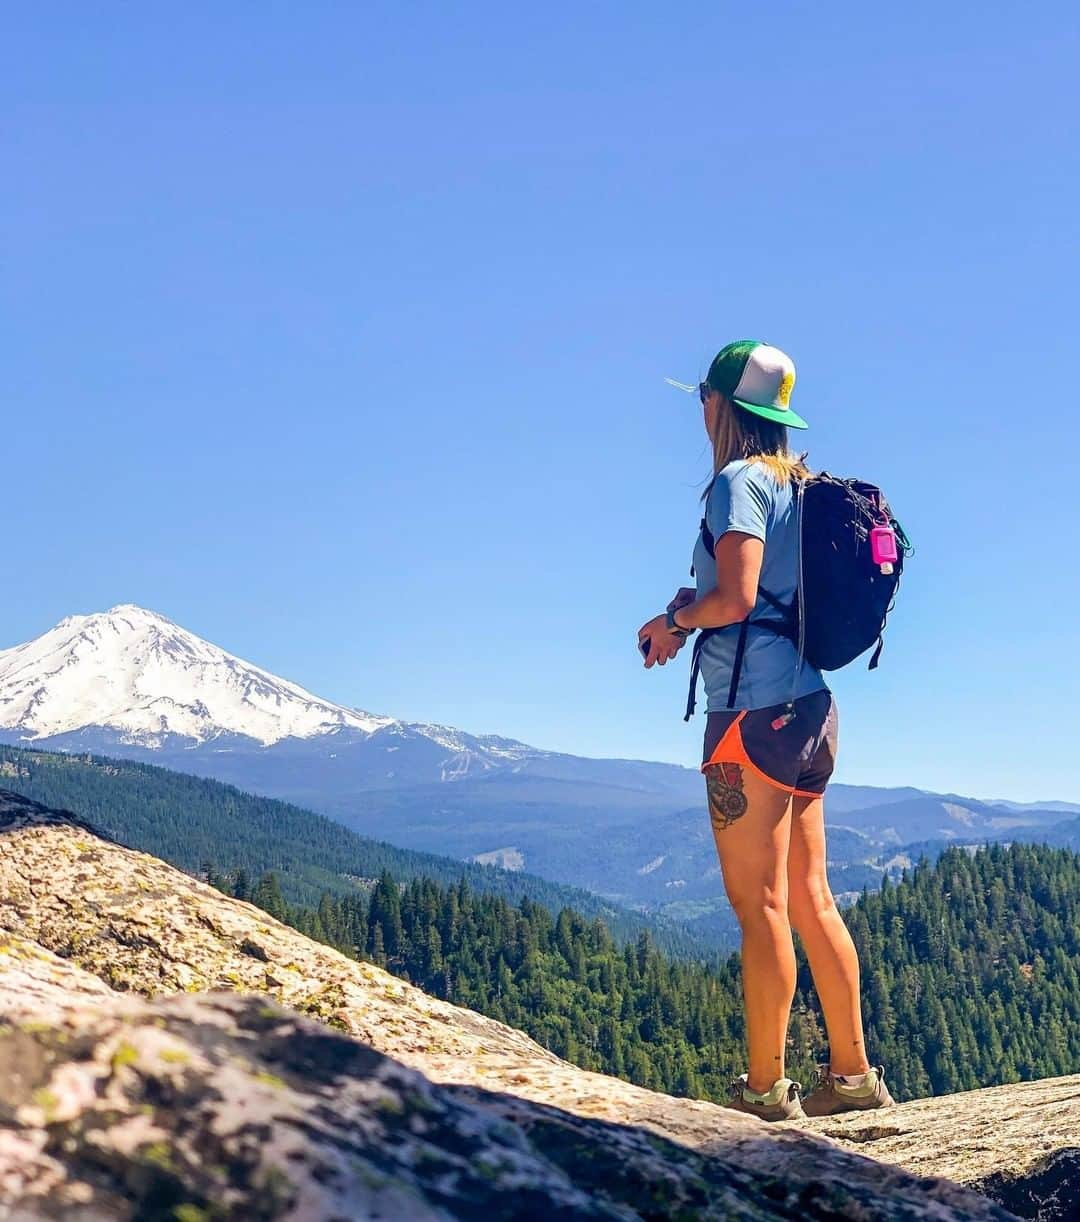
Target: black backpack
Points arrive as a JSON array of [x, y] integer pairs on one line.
[[844, 595]]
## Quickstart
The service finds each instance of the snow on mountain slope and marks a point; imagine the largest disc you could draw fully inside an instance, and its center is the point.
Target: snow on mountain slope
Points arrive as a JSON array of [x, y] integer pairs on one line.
[[140, 674], [131, 680]]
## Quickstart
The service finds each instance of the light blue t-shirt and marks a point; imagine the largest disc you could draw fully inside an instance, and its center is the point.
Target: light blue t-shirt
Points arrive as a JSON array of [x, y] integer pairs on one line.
[[746, 497]]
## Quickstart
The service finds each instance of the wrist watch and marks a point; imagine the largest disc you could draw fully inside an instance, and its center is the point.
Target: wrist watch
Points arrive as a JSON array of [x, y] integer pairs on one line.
[[672, 626]]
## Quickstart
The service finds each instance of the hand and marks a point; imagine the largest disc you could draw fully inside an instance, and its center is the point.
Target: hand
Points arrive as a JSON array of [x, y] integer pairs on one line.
[[684, 597], [664, 645]]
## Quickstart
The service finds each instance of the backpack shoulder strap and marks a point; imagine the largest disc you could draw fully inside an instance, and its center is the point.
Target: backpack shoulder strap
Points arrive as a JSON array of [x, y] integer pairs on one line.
[[774, 602], [707, 537], [784, 627]]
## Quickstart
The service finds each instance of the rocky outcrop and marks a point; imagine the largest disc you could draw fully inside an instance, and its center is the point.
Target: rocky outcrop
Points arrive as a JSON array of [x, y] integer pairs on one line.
[[1019, 1144], [222, 1105], [119, 1095], [227, 1105]]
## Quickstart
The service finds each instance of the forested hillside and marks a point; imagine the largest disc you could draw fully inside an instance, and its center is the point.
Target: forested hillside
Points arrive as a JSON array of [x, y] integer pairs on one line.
[[971, 968], [971, 965], [971, 975], [187, 820]]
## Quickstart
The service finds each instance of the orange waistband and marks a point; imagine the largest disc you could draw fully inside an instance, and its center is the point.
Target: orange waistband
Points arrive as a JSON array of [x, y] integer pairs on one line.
[[732, 750]]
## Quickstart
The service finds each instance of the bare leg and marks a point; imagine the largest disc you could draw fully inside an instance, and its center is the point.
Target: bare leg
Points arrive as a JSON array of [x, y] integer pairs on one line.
[[834, 961], [750, 827]]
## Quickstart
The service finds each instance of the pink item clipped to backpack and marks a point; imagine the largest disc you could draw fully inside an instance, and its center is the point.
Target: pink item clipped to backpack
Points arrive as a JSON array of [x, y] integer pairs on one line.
[[883, 549]]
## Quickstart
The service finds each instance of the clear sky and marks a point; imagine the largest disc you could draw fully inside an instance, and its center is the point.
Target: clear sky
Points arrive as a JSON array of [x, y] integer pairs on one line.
[[337, 333]]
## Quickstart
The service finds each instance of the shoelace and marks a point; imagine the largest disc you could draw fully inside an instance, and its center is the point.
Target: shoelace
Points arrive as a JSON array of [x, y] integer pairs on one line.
[[821, 1077]]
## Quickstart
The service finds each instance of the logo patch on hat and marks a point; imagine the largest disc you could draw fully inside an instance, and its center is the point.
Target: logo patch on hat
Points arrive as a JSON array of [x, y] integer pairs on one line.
[[783, 395]]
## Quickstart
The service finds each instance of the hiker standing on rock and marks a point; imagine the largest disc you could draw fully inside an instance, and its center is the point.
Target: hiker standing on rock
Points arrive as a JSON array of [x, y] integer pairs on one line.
[[770, 737]]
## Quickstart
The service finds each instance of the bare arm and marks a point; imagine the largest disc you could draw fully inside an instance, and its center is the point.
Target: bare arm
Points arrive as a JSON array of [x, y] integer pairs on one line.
[[738, 571]]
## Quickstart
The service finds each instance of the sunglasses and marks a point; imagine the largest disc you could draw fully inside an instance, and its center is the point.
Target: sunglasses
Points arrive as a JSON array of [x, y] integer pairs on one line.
[[704, 390]]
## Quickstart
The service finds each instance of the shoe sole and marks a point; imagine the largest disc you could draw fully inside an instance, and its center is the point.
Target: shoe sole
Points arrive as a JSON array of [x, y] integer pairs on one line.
[[839, 1105], [770, 1115]]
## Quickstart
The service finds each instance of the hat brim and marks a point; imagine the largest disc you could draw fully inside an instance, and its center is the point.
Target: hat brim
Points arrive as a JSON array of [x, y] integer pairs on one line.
[[782, 415]]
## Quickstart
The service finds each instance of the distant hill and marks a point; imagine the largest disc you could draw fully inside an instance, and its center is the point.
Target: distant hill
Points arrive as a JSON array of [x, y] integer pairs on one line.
[[1064, 835], [843, 798], [1064, 807], [934, 816]]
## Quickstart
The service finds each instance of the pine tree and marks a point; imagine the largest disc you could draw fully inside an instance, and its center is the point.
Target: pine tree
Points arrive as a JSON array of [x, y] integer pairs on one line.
[[267, 895], [241, 884], [378, 949]]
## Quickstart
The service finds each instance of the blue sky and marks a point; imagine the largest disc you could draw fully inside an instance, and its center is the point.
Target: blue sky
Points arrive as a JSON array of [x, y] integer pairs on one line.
[[338, 335]]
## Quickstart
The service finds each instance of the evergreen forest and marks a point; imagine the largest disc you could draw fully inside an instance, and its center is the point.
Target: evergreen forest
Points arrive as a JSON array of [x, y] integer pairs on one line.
[[971, 974]]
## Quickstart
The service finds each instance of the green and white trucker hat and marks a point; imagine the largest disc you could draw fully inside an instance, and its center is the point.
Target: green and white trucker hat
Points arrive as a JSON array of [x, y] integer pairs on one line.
[[758, 377]]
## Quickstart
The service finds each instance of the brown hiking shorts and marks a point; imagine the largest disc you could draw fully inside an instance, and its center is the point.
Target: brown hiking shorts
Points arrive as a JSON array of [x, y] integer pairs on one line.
[[798, 756]]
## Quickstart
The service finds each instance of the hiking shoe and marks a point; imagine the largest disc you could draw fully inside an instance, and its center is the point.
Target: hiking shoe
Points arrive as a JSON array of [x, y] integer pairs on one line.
[[781, 1103], [831, 1093]]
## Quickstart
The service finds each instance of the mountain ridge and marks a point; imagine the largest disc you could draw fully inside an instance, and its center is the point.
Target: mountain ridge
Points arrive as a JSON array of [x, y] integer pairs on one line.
[[137, 672], [130, 680]]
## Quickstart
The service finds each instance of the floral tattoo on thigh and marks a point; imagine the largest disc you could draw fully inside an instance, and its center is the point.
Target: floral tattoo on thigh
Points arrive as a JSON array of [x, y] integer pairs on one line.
[[724, 786]]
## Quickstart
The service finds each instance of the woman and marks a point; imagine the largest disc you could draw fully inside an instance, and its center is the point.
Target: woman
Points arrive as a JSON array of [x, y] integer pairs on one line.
[[770, 740]]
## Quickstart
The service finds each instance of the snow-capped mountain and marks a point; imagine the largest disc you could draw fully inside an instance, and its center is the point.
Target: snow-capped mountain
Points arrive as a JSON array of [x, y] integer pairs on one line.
[[130, 678], [137, 673]]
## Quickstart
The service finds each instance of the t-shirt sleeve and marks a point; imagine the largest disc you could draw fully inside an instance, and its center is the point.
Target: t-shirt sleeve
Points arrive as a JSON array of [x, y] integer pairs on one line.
[[739, 500]]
